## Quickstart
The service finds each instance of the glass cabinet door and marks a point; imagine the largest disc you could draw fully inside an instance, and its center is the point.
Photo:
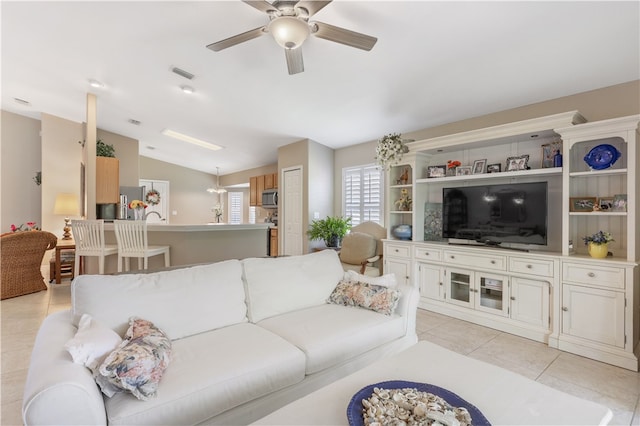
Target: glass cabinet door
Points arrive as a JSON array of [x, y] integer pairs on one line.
[[459, 287], [491, 294]]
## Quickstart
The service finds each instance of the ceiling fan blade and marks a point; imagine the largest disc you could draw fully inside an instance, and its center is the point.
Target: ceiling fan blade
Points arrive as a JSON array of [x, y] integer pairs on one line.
[[313, 6], [294, 60], [236, 39], [261, 5], [343, 36]]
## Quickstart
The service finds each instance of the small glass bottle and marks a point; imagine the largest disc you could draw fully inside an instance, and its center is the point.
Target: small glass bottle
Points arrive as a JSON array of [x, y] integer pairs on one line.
[[557, 159]]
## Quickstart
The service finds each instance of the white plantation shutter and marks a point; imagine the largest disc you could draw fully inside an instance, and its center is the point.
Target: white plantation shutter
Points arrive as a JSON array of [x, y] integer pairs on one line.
[[235, 207], [252, 214], [362, 194]]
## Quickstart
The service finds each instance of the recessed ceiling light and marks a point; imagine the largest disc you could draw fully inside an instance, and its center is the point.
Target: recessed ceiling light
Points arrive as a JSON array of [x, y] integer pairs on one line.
[[96, 84], [22, 102], [151, 147], [190, 139], [187, 89]]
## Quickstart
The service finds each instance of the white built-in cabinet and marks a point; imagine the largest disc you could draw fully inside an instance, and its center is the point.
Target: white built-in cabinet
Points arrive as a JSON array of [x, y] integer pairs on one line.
[[556, 293]]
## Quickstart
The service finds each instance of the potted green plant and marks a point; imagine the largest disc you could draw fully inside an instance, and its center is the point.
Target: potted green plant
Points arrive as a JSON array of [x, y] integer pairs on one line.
[[331, 230], [104, 150]]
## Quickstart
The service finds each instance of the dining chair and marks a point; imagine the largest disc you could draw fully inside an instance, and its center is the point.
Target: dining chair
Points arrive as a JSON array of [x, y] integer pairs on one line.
[[88, 236], [131, 236]]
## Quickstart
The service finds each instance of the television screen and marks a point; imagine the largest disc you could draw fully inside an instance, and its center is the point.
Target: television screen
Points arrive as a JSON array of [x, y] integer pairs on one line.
[[495, 214]]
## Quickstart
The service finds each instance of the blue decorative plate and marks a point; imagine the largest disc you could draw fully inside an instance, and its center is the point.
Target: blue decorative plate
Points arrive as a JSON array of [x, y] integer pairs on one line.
[[602, 156], [354, 410]]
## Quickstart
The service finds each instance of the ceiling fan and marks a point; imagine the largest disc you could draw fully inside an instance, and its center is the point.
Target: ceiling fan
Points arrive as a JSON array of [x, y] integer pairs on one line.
[[289, 25]]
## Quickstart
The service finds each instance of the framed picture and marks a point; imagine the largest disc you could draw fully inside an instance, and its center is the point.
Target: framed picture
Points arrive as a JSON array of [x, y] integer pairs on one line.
[[619, 203], [463, 170], [548, 151], [605, 203], [582, 204], [518, 163], [436, 171], [478, 166], [494, 168]]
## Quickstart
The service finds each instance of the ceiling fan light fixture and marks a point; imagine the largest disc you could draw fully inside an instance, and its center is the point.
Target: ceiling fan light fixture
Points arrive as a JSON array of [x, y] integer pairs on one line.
[[289, 32]]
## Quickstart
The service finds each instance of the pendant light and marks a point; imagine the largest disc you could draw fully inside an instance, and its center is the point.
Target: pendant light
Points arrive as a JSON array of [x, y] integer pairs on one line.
[[217, 189]]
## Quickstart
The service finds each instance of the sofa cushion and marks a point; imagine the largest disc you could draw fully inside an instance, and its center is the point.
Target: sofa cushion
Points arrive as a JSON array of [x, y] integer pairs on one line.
[[284, 284], [368, 296], [387, 280], [181, 302], [211, 373], [331, 334], [138, 363]]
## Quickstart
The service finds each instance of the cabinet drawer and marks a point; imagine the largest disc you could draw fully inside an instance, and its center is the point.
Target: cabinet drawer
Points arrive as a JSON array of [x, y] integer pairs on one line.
[[498, 263], [424, 253], [601, 276], [536, 267], [396, 250]]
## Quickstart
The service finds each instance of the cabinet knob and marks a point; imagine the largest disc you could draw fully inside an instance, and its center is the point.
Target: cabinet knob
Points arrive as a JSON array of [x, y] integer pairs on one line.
[[565, 309], [591, 274], [397, 250], [441, 283], [452, 257], [426, 253], [529, 266], [493, 262], [407, 277], [513, 298]]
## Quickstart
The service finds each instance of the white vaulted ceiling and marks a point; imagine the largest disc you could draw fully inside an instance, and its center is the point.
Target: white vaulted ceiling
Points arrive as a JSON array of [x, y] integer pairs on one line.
[[434, 63]]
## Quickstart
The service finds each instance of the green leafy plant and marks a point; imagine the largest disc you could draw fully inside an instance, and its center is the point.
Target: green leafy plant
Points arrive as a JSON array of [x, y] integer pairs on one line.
[[331, 230], [104, 150]]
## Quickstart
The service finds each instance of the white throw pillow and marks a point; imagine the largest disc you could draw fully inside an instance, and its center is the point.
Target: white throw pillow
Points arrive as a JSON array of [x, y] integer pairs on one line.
[[387, 280], [92, 343]]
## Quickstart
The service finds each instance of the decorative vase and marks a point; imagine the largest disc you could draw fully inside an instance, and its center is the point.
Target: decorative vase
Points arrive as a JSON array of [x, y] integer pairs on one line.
[[451, 171], [598, 251], [138, 214], [402, 232]]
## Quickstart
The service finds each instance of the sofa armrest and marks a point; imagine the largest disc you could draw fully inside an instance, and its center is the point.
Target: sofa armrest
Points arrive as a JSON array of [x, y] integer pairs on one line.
[[408, 306], [57, 390]]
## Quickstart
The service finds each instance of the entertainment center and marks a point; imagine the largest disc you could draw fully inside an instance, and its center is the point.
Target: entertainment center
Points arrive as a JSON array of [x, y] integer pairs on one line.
[[491, 249]]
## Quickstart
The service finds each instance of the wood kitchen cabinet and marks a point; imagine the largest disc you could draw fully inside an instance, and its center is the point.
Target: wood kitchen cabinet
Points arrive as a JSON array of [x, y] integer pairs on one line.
[[259, 189], [107, 180], [253, 191], [257, 184], [273, 241]]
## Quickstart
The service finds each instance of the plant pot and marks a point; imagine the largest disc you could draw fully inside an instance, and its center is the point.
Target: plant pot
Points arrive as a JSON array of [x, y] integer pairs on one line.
[[598, 251], [334, 242]]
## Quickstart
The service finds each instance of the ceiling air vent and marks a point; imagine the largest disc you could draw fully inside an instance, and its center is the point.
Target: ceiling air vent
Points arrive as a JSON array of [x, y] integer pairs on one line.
[[134, 122], [182, 73], [22, 102]]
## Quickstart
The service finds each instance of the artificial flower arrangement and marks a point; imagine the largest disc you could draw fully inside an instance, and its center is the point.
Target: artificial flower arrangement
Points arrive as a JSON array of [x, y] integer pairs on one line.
[[390, 149], [137, 204], [29, 226], [405, 201], [153, 197], [453, 164], [598, 238]]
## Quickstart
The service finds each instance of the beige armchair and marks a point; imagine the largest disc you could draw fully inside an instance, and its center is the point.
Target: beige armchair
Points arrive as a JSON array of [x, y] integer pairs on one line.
[[362, 249], [21, 261]]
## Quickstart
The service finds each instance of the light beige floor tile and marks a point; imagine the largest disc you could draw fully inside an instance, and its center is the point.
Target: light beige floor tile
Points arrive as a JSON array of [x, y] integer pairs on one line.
[[58, 307], [636, 416], [12, 386], [11, 413], [520, 355], [460, 336], [16, 360], [426, 320]]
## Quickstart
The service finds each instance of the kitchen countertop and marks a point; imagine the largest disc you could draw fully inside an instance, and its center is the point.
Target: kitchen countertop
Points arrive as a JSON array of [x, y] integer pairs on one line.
[[200, 227]]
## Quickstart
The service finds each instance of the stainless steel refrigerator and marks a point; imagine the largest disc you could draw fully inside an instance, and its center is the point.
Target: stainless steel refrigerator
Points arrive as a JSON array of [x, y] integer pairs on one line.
[[128, 194]]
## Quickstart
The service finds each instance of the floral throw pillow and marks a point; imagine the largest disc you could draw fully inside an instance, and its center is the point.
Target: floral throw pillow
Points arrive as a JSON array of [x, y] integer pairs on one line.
[[368, 296], [138, 363]]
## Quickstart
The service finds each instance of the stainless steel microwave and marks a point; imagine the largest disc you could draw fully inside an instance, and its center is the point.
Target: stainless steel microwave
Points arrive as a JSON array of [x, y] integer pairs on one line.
[[270, 199]]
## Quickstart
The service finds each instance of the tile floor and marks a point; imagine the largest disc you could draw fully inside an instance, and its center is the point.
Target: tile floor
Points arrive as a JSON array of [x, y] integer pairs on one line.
[[615, 387]]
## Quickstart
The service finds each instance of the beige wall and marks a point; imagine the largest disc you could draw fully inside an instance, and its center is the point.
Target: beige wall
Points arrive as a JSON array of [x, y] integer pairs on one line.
[[61, 158], [20, 159], [187, 191], [600, 104], [242, 177]]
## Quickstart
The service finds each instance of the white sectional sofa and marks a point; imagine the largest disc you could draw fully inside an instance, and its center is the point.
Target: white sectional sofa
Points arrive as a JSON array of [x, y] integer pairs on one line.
[[247, 337]]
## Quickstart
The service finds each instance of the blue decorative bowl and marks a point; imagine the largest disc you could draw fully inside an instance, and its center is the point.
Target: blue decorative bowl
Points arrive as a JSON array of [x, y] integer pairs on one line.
[[402, 232]]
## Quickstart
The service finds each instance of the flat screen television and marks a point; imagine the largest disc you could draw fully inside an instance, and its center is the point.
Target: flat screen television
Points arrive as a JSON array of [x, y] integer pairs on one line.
[[496, 214]]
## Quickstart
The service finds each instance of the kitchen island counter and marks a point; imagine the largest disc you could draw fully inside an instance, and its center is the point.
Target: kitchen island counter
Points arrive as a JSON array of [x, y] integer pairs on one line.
[[195, 243]]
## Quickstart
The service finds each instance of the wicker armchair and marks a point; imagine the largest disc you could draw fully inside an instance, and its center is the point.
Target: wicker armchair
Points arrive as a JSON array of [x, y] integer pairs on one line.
[[21, 256]]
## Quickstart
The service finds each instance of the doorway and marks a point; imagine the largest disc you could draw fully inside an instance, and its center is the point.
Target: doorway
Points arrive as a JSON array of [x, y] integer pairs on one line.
[[291, 209], [158, 204]]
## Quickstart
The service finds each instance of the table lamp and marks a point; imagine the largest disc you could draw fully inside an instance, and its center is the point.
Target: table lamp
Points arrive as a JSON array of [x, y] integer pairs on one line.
[[66, 204]]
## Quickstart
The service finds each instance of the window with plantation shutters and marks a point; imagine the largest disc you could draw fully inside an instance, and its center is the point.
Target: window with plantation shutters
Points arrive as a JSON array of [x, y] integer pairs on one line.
[[362, 194], [235, 207]]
